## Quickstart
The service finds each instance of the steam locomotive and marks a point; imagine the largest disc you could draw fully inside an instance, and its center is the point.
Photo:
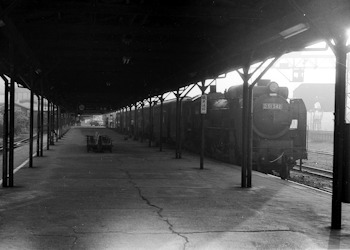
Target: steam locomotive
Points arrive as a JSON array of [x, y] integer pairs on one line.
[[279, 126]]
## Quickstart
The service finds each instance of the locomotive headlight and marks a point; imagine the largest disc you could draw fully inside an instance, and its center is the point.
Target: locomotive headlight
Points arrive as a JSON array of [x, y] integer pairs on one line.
[[273, 86]]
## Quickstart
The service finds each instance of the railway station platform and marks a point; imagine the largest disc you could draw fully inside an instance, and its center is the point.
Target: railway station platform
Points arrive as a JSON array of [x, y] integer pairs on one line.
[[139, 198]]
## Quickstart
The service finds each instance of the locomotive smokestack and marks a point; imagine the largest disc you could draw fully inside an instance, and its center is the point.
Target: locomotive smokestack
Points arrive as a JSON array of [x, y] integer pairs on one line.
[[212, 88]]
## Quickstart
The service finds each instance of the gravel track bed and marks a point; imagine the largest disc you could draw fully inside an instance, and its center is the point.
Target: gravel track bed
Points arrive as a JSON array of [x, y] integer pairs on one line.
[[316, 160]]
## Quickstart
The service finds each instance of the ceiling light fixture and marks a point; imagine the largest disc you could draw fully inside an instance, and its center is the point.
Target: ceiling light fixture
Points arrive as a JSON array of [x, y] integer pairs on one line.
[[126, 59], [295, 30]]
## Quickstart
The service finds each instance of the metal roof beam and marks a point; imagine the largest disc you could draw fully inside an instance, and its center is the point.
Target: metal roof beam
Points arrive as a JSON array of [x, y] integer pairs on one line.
[[163, 10]]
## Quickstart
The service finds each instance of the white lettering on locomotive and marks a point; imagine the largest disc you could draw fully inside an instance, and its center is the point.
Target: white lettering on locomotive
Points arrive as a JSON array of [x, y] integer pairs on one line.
[[272, 106]]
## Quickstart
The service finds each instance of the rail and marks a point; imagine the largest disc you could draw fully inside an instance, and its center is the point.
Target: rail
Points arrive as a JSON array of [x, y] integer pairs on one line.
[[320, 152], [16, 144], [314, 171]]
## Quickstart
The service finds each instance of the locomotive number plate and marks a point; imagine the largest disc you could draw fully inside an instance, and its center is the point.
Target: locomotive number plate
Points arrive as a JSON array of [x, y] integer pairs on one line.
[[272, 106]]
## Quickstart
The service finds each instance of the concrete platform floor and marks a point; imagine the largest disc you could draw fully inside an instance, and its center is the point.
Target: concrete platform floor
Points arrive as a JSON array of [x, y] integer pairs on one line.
[[140, 198]]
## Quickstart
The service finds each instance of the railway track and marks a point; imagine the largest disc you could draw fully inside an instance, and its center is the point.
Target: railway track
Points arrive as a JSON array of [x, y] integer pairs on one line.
[[313, 176], [320, 152], [19, 143], [319, 172], [16, 144]]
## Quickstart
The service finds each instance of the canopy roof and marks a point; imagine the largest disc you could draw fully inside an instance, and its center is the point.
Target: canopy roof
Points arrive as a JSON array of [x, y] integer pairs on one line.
[[111, 53]]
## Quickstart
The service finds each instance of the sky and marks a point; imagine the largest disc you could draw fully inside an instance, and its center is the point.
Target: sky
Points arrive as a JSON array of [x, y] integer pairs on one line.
[[319, 67]]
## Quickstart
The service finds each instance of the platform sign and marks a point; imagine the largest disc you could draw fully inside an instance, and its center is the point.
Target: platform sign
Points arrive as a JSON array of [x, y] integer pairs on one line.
[[204, 101]]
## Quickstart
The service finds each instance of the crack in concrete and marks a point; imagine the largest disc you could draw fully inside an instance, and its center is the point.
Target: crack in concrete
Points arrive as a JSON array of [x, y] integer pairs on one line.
[[239, 231], [120, 232], [54, 235], [159, 211], [74, 242], [75, 238]]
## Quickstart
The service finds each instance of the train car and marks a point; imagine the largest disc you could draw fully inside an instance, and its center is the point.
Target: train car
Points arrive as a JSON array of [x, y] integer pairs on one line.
[[279, 126], [169, 120]]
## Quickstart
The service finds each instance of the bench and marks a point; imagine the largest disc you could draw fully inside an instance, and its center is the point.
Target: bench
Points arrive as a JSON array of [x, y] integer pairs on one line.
[[98, 143]]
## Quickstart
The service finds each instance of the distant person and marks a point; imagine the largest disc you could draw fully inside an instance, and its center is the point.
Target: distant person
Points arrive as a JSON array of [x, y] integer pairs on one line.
[[317, 115]]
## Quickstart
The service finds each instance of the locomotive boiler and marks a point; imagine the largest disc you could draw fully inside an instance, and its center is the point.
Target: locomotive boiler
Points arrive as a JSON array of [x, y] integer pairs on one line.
[[279, 127]]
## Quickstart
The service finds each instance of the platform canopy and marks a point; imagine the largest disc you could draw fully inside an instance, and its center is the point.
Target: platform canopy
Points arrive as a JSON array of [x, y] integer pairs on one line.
[[110, 53]]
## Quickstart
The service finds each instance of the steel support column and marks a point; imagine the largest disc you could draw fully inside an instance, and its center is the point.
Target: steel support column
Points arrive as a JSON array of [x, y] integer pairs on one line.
[[245, 113], [340, 50], [5, 134], [11, 130], [150, 123], [130, 121], [52, 124], [250, 136], [42, 123], [125, 120], [203, 88], [142, 122], [121, 120], [31, 128], [247, 118], [135, 122], [48, 126], [59, 123], [11, 117], [177, 124], [57, 117], [161, 98], [62, 123], [38, 129], [116, 121], [180, 129], [119, 123]]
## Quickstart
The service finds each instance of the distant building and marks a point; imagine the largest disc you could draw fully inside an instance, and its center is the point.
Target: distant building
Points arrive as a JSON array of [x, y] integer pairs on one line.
[[316, 96], [319, 102]]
